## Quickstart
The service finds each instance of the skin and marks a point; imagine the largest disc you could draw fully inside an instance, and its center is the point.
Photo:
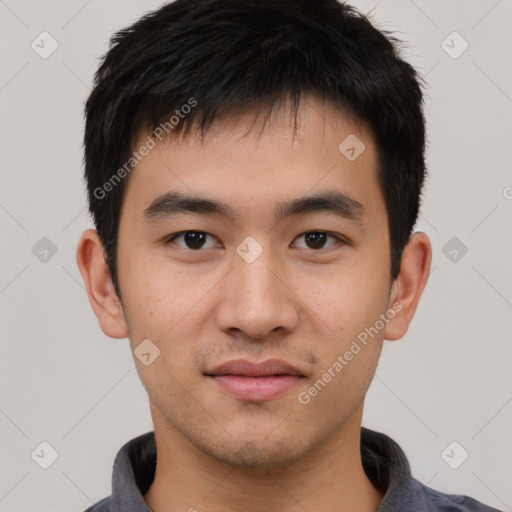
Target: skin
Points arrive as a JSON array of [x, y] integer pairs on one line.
[[295, 303]]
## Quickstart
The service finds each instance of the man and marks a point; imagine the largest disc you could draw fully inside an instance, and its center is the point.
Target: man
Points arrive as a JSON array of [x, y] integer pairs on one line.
[[254, 171]]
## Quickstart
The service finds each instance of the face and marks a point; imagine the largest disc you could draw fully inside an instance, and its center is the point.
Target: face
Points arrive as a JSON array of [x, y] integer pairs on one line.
[[274, 275]]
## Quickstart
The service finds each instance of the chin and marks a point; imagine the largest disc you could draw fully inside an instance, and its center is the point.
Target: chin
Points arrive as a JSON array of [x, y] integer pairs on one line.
[[253, 440], [255, 450], [257, 455]]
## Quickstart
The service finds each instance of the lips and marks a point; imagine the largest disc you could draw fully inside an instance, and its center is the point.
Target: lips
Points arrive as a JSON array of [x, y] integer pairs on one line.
[[255, 382], [249, 369]]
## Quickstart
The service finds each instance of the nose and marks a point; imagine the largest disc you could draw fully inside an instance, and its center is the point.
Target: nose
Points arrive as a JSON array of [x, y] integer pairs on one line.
[[257, 298]]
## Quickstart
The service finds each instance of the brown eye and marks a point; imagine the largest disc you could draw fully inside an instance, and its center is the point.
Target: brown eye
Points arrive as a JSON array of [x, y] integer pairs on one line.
[[193, 240], [315, 240]]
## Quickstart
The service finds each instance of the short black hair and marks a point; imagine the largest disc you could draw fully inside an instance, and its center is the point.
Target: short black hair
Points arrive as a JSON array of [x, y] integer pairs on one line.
[[217, 56]]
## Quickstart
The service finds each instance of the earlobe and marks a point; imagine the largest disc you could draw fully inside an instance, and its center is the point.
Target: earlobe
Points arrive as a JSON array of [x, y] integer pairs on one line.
[[98, 282], [409, 285]]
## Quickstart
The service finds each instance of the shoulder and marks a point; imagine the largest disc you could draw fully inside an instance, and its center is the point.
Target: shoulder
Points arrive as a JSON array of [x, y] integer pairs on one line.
[[428, 499], [102, 506]]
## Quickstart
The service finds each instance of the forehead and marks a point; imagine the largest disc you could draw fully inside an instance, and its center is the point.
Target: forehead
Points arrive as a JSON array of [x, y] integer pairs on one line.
[[247, 153]]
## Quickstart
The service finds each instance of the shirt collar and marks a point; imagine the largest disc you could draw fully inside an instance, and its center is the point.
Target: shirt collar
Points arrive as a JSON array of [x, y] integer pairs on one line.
[[383, 460]]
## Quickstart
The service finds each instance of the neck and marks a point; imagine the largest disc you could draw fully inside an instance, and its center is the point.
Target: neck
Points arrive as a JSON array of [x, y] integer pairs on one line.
[[330, 477]]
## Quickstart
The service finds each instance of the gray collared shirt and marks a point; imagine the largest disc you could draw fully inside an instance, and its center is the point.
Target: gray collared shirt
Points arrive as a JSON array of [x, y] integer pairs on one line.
[[383, 461]]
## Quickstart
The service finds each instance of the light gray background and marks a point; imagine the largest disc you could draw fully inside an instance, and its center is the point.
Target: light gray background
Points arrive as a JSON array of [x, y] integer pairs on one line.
[[66, 383]]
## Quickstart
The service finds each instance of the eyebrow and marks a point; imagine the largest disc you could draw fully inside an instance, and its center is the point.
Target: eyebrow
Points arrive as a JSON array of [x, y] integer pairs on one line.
[[174, 203]]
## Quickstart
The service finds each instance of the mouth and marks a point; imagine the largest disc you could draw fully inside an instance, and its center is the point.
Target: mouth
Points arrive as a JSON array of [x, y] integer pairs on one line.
[[255, 382]]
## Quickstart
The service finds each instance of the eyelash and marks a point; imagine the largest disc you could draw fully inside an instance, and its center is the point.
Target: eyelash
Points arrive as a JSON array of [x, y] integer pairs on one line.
[[169, 240]]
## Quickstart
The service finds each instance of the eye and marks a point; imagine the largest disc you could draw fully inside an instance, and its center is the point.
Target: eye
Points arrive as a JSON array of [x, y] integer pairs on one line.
[[316, 240], [194, 240]]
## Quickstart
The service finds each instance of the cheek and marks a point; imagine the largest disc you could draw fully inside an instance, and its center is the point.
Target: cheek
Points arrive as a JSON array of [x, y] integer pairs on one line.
[[167, 306], [155, 293], [349, 300], [350, 306]]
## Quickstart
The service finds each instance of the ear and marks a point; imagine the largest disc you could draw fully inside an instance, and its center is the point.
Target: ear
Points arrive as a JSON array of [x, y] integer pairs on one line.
[[409, 285], [100, 289]]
